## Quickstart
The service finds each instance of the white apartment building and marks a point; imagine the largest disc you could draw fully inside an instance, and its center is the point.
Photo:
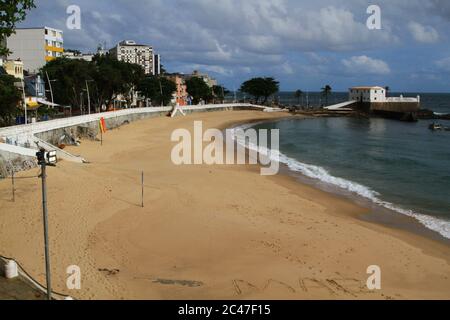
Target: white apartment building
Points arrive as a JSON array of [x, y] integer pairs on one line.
[[143, 55], [35, 46]]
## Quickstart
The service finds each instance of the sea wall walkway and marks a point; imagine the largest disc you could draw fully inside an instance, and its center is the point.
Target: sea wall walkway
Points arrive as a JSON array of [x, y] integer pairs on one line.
[[22, 139]]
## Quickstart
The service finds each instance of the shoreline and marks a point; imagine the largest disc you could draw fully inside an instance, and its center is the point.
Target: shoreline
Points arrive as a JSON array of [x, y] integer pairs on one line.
[[379, 214], [214, 232], [375, 215]]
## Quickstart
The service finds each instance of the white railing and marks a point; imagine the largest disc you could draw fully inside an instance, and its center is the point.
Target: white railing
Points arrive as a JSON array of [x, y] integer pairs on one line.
[[402, 99], [24, 133]]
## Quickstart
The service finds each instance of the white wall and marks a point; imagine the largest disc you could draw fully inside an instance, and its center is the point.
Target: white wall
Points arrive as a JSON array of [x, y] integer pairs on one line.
[[368, 95], [28, 45]]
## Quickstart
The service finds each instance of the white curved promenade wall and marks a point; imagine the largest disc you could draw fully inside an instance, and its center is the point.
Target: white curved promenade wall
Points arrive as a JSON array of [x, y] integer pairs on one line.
[[24, 135]]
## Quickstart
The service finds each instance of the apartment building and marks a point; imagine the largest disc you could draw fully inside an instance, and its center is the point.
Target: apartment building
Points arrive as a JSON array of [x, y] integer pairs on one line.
[[143, 55], [35, 46], [131, 52]]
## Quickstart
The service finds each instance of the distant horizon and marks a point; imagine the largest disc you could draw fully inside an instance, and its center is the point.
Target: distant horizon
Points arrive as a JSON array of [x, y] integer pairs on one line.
[[303, 44], [345, 92]]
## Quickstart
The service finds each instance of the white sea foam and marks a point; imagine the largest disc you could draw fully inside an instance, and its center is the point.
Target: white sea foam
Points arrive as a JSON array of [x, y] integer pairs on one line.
[[318, 173]]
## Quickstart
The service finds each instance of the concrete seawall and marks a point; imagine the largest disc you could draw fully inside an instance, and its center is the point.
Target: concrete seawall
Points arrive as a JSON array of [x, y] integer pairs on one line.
[[18, 143]]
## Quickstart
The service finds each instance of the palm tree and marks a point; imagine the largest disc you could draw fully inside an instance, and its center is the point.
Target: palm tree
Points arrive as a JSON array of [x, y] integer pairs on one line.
[[298, 94], [326, 92]]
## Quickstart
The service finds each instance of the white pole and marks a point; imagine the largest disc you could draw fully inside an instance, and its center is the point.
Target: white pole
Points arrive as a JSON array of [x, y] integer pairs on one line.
[[162, 99], [51, 89], [24, 102], [307, 100], [89, 98]]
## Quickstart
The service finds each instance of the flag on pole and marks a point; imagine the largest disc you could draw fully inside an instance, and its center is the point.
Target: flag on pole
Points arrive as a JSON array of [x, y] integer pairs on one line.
[[103, 128]]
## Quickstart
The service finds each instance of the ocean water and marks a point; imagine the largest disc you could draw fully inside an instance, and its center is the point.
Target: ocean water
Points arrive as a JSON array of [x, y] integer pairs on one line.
[[400, 166]]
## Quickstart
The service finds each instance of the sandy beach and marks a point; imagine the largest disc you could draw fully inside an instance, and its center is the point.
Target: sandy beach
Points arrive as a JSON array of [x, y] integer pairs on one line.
[[206, 232]]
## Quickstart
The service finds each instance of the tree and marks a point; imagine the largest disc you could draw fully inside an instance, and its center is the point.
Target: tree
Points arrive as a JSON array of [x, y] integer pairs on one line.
[[220, 92], [10, 97], [114, 78], [70, 76], [12, 12], [326, 91], [110, 76], [298, 94], [199, 90], [159, 89], [260, 88], [132, 76]]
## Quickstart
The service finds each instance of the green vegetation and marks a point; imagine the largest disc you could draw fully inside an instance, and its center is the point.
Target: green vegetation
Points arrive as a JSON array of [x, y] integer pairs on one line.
[[10, 97], [220, 92], [298, 94], [158, 89], [261, 88], [199, 90], [12, 12], [106, 77], [70, 76]]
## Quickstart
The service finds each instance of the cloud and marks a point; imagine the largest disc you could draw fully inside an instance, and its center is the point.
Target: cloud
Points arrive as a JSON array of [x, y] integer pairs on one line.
[[295, 40], [443, 64], [423, 34], [366, 65]]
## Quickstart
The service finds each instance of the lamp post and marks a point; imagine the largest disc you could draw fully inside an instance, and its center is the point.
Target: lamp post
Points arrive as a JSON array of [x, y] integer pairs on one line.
[[46, 159], [82, 102], [24, 102], [162, 99], [51, 88], [89, 97]]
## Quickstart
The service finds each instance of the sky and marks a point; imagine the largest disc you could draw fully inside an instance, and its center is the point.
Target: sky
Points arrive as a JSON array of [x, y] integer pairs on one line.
[[304, 44]]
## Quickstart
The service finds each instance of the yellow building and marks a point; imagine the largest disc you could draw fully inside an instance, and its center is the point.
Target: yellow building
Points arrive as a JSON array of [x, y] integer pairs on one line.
[[35, 46], [14, 68]]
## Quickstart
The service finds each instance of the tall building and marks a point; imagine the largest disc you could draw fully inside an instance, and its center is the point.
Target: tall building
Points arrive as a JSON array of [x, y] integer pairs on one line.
[[35, 46], [131, 52]]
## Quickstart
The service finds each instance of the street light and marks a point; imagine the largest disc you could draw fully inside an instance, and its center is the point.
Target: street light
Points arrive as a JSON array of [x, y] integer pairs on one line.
[[46, 159], [162, 99], [89, 98], [51, 88]]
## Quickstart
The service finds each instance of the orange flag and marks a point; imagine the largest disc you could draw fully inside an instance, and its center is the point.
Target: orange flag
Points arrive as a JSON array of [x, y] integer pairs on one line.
[[103, 125]]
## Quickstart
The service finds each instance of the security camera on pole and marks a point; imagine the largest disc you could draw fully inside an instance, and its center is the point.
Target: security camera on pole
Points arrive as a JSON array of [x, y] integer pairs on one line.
[[46, 159]]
